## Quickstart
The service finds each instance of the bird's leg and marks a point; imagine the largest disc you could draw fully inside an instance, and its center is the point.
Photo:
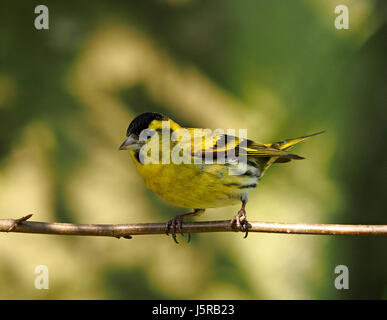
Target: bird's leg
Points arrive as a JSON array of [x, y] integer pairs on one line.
[[240, 219], [177, 223]]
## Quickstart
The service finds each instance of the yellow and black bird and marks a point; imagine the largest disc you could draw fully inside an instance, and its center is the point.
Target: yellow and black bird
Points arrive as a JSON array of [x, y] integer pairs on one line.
[[203, 184]]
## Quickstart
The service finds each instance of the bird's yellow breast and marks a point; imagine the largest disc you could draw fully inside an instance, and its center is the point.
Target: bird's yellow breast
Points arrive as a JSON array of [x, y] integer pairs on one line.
[[196, 186]]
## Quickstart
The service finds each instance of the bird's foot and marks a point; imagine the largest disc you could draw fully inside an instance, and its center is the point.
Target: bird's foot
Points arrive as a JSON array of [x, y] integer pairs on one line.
[[16, 222], [176, 224], [240, 221]]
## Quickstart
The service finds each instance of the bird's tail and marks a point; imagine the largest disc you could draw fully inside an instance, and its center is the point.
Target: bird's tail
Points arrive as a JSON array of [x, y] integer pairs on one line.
[[289, 143], [285, 145]]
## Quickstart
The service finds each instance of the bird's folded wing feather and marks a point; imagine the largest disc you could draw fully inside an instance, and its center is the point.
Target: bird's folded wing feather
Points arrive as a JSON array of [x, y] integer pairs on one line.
[[205, 141]]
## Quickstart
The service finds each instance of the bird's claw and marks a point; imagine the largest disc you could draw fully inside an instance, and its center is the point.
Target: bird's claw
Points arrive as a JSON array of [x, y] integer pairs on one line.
[[240, 222], [176, 224]]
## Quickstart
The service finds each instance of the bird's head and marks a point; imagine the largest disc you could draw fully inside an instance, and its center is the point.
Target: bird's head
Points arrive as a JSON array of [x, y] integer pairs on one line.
[[148, 120]]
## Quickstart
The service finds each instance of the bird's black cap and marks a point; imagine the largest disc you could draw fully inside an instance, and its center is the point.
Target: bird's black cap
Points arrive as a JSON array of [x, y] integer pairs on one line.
[[143, 121]]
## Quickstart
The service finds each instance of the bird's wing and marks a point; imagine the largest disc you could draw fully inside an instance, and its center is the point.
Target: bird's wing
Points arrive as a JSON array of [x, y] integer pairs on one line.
[[204, 142]]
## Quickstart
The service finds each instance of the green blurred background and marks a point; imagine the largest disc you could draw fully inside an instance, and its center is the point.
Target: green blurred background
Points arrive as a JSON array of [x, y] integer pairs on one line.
[[278, 68]]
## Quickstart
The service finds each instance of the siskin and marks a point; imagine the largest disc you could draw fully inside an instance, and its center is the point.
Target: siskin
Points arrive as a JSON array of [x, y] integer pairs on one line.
[[197, 183]]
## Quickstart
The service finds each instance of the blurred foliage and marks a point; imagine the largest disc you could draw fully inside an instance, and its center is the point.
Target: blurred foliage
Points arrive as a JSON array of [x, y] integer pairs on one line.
[[278, 68]]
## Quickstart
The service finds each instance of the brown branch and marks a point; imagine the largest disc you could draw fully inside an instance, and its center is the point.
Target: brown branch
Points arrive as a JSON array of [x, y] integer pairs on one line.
[[127, 230]]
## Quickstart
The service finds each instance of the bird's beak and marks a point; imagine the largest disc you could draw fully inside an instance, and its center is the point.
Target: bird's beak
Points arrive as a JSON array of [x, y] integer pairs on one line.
[[131, 142]]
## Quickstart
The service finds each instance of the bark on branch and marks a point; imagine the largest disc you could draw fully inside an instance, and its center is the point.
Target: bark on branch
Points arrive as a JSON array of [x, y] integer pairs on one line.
[[128, 230]]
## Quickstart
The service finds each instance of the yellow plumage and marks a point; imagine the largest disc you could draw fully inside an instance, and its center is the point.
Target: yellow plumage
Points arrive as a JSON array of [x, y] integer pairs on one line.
[[205, 185]]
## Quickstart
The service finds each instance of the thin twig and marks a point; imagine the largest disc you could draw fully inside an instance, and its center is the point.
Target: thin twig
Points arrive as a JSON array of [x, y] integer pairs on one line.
[[128, 230]]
